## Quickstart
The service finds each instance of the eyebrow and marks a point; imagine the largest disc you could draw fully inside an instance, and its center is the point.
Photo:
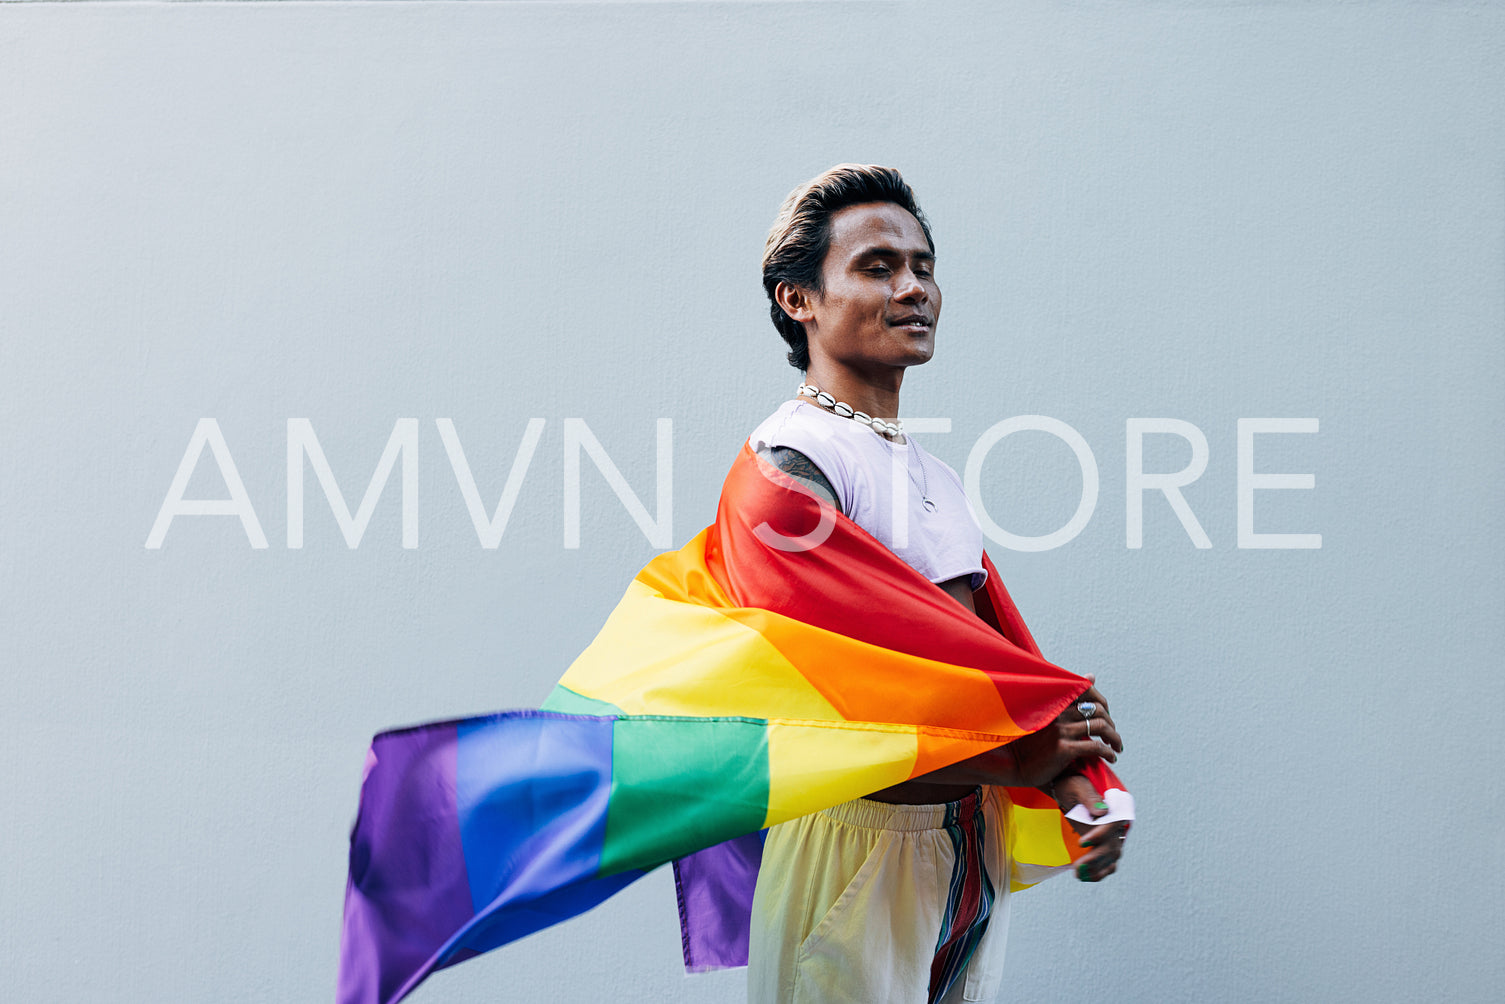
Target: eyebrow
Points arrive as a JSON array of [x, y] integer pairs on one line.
[[884, 251]]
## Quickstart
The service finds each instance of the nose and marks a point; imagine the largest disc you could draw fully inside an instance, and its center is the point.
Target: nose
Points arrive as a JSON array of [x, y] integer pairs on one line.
[[909, 288]]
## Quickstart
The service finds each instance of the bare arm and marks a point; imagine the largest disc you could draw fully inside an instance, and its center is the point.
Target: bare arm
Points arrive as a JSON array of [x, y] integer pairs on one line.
[[800, 467]]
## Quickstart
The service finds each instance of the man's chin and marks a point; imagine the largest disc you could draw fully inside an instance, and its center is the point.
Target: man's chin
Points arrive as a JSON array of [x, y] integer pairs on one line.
[[921, 353]]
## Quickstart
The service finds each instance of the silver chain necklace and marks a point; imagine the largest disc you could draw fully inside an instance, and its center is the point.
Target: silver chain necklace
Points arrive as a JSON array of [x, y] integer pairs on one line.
[[878, 425], [924, 488]]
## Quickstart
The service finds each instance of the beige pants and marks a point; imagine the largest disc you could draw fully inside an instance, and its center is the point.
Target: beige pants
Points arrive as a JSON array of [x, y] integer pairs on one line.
[[849, 905]]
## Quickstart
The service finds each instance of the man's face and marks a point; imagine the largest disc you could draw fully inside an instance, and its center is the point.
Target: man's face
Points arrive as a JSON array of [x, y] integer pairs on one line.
[[880, 301]]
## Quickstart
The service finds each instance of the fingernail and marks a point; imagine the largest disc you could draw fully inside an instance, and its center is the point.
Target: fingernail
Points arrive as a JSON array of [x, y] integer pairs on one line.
[[1081, 872], [1089, 843], [1100, 805]]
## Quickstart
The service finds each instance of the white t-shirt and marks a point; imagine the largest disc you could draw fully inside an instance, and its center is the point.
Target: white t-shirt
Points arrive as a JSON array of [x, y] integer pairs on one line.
[[881, 486]]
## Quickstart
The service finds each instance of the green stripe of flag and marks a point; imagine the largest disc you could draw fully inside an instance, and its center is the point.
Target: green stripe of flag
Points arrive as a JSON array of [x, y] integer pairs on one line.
[[680, 784]]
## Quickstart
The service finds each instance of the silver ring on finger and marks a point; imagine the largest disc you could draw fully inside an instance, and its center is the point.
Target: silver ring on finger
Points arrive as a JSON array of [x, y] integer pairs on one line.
[[1089, 728], [1087, 708]]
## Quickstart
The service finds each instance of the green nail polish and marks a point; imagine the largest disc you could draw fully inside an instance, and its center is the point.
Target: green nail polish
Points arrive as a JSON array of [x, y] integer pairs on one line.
[[1081, 872], [1100, 805]]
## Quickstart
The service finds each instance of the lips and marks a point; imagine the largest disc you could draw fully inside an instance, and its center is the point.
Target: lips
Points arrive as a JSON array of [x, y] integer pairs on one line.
[[909, 319]]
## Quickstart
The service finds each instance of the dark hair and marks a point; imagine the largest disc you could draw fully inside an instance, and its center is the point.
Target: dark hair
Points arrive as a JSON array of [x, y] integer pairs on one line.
[[801, 236]]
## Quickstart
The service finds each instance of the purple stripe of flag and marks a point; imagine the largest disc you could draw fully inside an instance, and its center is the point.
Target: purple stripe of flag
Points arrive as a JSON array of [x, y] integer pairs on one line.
[[407, 892], [715, 889]]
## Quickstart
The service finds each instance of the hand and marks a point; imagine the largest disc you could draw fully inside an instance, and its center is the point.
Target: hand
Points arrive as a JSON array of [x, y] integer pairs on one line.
[[1035, 760], [1045, 755], [1106, 841], [1072, 713]]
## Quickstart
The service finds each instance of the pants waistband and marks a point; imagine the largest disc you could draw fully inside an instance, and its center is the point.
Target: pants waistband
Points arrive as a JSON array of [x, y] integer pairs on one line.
[[886, 816]]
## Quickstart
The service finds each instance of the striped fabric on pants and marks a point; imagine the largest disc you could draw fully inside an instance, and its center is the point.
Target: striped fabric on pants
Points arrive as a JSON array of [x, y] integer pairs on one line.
[[969, 902]]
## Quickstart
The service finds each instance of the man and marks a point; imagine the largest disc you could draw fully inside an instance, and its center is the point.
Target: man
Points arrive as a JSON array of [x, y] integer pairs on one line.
[[900, 896], [743, 682]]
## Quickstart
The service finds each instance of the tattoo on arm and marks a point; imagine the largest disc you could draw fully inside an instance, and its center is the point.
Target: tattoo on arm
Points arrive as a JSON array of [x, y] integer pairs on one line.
[[802, 469]]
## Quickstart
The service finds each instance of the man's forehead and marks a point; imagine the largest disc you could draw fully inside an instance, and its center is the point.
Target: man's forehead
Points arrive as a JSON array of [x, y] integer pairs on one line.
[[878, 227]]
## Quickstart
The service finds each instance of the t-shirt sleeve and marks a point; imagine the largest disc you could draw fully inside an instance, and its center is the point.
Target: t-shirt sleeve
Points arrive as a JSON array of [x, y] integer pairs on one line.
[[817, 443]]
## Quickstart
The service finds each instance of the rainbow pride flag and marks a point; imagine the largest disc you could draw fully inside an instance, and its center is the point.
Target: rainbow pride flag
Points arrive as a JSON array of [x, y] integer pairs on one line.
[[781, 662]]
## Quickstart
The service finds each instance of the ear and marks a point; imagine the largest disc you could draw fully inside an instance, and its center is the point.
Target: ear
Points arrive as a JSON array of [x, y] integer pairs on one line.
[[794, 301]]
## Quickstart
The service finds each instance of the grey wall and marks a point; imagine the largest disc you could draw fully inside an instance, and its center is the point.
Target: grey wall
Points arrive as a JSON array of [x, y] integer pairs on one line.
[[491, 212]]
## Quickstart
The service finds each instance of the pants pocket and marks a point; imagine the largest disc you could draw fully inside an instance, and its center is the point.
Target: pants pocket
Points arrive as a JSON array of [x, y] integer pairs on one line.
[[841, 913]]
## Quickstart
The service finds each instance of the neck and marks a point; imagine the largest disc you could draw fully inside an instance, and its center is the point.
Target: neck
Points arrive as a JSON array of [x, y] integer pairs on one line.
[[878, 397]]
